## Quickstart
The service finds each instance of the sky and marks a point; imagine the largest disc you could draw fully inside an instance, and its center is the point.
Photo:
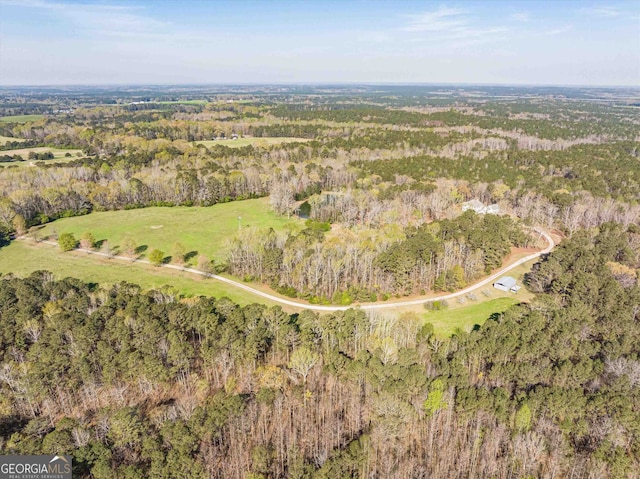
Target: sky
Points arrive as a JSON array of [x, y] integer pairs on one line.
[[562, 42]]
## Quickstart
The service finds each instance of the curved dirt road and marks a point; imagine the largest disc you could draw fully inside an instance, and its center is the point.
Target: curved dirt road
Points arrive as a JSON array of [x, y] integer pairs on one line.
[[366, 306]]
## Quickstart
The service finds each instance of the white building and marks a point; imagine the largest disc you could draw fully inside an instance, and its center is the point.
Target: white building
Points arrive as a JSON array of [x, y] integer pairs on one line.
[[507, 283], [480, 208]]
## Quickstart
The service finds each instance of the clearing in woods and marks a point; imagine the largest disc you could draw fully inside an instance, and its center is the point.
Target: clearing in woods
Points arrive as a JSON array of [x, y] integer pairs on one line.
[[474, 309], [204, 230], [59, 155], [258, 142], [6, 139], [465, 317]]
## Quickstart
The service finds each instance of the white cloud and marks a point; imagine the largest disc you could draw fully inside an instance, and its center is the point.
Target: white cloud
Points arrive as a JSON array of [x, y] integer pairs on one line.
[[439, 20], [453, 26], [104, 19], [602, 11], [521, 16], [557, 31]]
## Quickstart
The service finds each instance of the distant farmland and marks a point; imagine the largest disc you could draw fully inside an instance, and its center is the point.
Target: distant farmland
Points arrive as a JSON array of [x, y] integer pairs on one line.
[[6, 139], [59, 155], [20, 118], [240, 142]]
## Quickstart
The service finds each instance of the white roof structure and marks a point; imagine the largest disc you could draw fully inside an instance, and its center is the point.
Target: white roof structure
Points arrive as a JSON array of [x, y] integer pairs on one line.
[[506, 283], [475, 205], [479, 207], [493, 209]]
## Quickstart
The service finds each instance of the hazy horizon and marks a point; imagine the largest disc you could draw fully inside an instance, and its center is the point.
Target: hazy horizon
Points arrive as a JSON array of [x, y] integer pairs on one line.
[[501, 43], [316, 84]]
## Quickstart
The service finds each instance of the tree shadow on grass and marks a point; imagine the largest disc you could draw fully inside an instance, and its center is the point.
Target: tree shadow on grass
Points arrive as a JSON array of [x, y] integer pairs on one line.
[[190, 255], [166, 260], [141, 249], [98, 244]]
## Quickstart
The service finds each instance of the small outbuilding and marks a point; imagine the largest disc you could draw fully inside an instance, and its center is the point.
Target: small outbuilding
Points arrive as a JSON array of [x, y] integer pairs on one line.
[[507, 283]]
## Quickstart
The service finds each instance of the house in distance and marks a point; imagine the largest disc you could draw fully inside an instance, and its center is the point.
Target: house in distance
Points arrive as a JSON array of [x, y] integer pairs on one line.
[[480, 208]]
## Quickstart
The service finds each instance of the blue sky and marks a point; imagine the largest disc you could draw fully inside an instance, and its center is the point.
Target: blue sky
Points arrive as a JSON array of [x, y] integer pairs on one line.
[[48, 42]]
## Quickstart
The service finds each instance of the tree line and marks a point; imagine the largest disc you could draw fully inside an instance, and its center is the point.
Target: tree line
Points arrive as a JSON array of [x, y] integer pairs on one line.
[[376, 263]]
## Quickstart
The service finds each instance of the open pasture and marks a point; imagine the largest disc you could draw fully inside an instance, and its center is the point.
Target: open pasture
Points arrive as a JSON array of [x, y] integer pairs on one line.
[[59, 155], [6, 139], [23, 258], [202, 230]]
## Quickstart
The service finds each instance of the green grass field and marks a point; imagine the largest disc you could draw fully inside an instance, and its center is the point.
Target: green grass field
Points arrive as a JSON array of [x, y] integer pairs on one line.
[[20, 118], [475, 308], [240, 142], [6, 139], [22, 258], [205, 230], [445, 322], [59, 155], [466, 313]]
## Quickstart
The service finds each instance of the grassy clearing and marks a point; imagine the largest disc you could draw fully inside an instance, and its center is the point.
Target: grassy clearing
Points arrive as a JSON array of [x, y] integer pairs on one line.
[[22, 258], [202, 230], [446, 322], [6, 139], [182, 102], [474, 308], [20, 118], [59, 155], [465, 313], [258, 142]]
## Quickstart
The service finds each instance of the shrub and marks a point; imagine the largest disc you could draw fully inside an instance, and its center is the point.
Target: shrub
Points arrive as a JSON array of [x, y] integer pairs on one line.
[[204, 264], [67, 242], [87, 241], [129, 247], [156, 257], [317, 225], [436, 305]]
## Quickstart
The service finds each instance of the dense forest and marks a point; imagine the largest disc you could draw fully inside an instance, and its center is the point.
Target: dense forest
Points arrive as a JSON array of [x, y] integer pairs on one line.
[[149, 384]]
